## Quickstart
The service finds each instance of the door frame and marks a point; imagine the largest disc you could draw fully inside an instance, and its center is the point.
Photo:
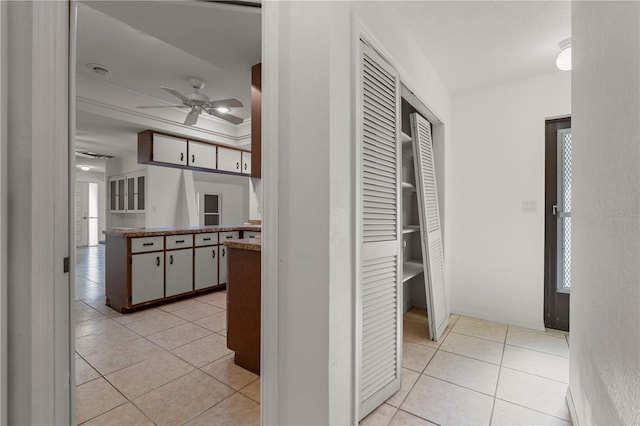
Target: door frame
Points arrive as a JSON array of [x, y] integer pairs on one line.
[[554, 302]]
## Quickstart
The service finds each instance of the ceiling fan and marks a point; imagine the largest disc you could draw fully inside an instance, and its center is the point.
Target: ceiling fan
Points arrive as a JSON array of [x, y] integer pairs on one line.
[[198, 102]]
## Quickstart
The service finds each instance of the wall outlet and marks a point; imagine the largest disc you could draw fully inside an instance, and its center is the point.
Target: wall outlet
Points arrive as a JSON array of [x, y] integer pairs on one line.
[[529, 206]]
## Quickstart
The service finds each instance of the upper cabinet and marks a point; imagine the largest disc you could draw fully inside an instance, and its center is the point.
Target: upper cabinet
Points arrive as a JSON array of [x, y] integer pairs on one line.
[[256, 121], [127, 193], [172, 151]]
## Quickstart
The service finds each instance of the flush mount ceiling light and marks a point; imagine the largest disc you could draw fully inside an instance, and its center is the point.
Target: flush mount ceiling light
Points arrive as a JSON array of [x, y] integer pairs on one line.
[[84, 168], [98, 69], [563, 61]]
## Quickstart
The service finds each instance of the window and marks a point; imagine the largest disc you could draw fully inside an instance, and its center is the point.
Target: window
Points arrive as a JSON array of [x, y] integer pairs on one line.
[[211, 209]]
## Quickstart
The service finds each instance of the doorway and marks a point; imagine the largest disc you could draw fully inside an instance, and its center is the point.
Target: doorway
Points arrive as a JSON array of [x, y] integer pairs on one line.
[[557, 246], [87, 212]]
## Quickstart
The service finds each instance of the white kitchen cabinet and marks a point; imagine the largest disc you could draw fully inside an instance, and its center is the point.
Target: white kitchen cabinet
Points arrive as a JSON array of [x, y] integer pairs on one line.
[[246, 163], [224, 267], [117, 194], [167, 149], [229, 160], [205, 267], [202, 155], [179, 273], [127, 193], [147, 277], [251, 234]]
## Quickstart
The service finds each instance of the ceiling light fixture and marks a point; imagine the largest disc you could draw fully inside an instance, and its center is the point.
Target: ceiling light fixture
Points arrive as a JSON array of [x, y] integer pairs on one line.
[[223, 110], [563, 61], [98, 69], [84, 168]]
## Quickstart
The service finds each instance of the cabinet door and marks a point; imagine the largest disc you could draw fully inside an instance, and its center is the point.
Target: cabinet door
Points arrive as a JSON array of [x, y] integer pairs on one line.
[[140, 180], [246, 163], [202, 155], [131, 194], [229, 160], [205, 267], [223, 264], [167, 149], [179, 276], [147, 277], [113, 195], [121, 191]]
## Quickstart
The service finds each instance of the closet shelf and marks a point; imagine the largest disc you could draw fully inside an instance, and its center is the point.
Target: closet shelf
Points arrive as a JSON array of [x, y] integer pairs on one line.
[[408, 186], [410, 228], [410, 269], [405, 138]]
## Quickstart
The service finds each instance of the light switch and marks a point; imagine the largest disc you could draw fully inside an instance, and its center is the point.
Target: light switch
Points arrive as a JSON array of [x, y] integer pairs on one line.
[[529, 206]]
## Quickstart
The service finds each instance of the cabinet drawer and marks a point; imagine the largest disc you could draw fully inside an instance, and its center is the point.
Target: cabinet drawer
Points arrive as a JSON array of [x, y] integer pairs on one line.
[[206, 239], [144, 244], [229, 235], [179, 241], [251, 234]]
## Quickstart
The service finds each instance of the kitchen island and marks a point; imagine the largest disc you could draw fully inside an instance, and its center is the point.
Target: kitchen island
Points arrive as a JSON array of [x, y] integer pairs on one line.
[[243, 302], [146, 267]]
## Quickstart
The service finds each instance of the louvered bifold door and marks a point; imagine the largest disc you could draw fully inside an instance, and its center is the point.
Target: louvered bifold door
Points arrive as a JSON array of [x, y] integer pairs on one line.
[[431, 234], [379, 332]]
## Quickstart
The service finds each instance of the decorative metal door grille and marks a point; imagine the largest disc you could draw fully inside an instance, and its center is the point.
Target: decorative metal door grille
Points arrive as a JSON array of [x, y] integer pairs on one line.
[[564, 196]]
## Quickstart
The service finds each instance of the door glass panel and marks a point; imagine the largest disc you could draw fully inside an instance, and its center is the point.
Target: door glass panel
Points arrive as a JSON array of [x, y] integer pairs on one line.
[[131, 193], [112, 195], [564, 211], [140, 193], [120, 194]]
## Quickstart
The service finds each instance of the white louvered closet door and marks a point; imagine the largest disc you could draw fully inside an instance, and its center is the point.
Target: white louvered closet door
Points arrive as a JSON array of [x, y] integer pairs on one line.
[[379, 331], [431, 234]]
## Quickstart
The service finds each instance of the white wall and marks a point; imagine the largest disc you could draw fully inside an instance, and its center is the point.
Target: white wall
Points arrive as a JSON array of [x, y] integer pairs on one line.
[[605, 295], [496, 252], [234, 191], [315, 196], [103, 212]]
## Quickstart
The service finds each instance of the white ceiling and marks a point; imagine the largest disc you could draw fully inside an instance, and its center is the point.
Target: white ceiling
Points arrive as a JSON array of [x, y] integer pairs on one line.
[[147, 45], [474, 44]]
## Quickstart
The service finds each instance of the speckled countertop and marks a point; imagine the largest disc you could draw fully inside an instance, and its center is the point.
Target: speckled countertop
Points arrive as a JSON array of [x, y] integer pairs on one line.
[[254, 244], [154, 232]]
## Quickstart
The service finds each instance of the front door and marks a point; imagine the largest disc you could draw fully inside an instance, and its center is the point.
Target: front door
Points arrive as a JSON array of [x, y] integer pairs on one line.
[[557, 246], [82, 214]]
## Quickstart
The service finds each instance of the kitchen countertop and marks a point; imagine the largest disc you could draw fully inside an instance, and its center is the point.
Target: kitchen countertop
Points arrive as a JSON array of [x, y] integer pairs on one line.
[[254, 244], [153, 232]]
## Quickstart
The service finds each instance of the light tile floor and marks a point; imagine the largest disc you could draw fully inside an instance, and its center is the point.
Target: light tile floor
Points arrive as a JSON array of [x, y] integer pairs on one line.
[[170, 365], [167, 365], [479, 373]]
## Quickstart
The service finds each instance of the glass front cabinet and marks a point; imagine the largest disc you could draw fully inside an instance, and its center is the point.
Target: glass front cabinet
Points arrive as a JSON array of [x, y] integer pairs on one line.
[[127, 193]]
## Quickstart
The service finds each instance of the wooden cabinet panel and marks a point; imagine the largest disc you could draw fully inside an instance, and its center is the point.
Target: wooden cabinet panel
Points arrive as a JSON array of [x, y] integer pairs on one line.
[[229, 160], [147, 277], [223, 266], [205, 267], [256, 120], [179, 272], [202, 155]]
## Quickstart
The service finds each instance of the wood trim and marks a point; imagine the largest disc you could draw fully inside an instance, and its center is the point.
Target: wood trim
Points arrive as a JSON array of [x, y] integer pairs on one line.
[[256, 121], [189, 138]]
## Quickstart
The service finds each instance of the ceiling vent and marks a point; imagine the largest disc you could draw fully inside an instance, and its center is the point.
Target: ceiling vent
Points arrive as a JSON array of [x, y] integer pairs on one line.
[[89, 154]]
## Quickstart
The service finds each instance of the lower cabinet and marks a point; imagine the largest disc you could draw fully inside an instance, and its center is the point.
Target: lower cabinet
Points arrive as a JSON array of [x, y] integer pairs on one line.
[[205, 267], [179, 275], [147, 277]]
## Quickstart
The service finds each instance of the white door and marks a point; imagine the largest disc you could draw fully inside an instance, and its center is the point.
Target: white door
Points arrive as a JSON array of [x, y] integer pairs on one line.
[[179, 274], [431, 235], [82, 214], [205, 267], [229, 160], [147, 277], [223, 267], [379, 284], [167, 149], [93, 214], [202, 155]]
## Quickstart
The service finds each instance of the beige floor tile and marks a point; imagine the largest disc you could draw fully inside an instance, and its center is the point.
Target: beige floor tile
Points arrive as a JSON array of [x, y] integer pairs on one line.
[[123, 355], [125, 414], [154, 324], [203, 351], [402, 418], [96, 326], [94, 343], [409, 378], [143, 377], [447, 404], [84, 372], [480, 328], [222, 332], [237, 410], [537, 393], [195, 312], [381, 416], [139, 315], [537, 341], [539, 363], [474, 347], [416, 328], [507, 414], [415, 356], [183, 399], [217, 298], [252, 391], [216, 322], [178, 336], [106, 310], [181, 304], [229, 373], [460, 370], [94, 398], [82, 315]]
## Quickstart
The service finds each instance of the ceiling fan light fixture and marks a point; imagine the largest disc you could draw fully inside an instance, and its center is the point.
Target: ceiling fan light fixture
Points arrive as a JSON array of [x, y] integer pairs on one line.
[[84, 168], [223, 109], [563, 61]]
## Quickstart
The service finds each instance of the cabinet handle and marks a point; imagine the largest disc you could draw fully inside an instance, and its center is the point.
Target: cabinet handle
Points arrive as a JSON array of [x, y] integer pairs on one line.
[[179, 241], [182, 156], [228, 237], [206, 239], [193, 158], [213, 252], [223, 253], [170, 259], [237, 165], [245, 166], [147, 244], [157, 260]]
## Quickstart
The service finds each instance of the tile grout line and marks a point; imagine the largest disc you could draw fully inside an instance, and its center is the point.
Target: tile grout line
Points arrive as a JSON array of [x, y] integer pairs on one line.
[[495, 394]]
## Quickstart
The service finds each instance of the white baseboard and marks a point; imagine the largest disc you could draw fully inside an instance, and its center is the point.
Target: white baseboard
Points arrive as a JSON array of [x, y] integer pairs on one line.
[[572, 408], [499, 319]]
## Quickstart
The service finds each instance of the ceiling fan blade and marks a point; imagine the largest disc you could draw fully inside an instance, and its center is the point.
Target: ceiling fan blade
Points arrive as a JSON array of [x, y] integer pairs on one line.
[[229, 103], [161, 106], [192, 118], [232, 118], [175, 93]]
